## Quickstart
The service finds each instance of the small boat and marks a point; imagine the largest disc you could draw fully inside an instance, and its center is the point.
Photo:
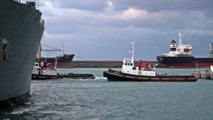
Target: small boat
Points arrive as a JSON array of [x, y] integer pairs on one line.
[[197, 74], [143, 72], [211, 73], [208, 74], [211, 76], [204, 75], [43, 73]]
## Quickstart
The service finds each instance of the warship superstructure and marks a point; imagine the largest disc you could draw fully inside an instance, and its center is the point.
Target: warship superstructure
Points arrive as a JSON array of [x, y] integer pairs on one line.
[[21, 29]]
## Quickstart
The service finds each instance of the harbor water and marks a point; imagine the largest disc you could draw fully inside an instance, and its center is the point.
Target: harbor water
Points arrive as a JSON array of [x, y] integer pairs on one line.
[[98, 99]]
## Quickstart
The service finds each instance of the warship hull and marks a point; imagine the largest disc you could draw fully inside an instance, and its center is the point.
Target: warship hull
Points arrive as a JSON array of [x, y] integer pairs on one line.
[[21, 27]]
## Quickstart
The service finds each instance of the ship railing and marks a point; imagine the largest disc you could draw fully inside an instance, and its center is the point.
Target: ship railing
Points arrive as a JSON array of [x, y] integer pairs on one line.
[[18, 1], [29, 3]]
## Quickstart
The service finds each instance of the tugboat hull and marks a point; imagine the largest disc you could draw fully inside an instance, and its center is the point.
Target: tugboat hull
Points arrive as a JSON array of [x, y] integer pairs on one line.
[[113, 75]]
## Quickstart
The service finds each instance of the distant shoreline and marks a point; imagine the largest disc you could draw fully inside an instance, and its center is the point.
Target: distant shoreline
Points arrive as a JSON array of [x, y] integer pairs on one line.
[[102, 64]]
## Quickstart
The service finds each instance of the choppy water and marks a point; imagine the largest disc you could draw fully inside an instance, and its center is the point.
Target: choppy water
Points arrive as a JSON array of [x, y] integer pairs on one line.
[[101, 100]]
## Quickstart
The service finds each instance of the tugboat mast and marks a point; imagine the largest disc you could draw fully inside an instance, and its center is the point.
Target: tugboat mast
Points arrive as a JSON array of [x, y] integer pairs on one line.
[[132, 52], [180, 36]]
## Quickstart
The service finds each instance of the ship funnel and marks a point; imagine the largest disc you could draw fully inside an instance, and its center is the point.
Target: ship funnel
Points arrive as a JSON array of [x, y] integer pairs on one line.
[[180, 36]]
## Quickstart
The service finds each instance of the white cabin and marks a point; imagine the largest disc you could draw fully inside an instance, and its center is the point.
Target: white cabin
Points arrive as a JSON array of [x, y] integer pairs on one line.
[[37, 70], [143, 69]]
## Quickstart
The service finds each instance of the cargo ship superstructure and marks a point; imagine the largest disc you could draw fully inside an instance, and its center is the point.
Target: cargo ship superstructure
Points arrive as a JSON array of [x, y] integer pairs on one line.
[[21, 29], [181, 57]]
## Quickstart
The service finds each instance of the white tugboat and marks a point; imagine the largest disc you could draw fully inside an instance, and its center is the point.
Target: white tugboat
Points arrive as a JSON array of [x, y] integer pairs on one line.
[[143, 72], [43, 72]]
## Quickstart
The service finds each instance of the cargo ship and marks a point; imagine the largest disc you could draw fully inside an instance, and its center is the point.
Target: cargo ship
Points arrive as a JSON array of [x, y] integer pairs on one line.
[[61, 61], [181, 57], [21, 29]]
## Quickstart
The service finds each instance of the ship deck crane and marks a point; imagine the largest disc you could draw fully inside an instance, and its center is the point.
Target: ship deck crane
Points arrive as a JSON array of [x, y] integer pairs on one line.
[[51, 49]]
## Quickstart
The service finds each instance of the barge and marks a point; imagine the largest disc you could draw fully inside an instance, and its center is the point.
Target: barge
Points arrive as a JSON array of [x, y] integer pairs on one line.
[[41, 73]]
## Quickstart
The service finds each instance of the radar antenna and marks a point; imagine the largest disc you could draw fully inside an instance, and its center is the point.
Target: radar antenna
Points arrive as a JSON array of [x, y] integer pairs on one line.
[[132, 52], [211, 49]]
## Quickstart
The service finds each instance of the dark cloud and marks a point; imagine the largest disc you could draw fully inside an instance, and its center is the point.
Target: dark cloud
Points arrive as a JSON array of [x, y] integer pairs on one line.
[[104, 29], [156, 5], [90, 5]]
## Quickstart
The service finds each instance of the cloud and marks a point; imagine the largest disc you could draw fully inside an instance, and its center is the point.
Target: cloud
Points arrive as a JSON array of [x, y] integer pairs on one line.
[[62, 37], [102, 25], [170, 5]]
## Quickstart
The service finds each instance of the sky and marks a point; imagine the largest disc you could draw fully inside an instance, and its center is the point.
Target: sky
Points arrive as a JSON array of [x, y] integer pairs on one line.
[[104, 29]]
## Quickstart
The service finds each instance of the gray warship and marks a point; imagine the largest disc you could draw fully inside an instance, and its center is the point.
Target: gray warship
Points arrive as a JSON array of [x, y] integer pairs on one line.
[[21, 29]]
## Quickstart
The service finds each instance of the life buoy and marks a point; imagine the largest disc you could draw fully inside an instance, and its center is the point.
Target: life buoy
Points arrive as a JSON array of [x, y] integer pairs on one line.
[[41, 64], [144, 65]]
